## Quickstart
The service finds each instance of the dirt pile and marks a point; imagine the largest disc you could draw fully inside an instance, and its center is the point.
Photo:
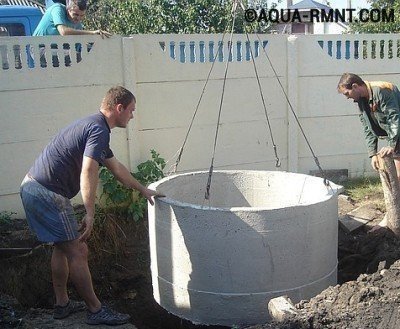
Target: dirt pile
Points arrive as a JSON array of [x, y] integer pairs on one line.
[[368, 273], [12, 316], [372, 301], [368, 293], [11, 313], [122, 279]]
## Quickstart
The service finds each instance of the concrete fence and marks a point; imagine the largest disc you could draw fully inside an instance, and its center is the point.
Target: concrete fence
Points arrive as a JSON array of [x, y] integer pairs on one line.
[[45, 83]]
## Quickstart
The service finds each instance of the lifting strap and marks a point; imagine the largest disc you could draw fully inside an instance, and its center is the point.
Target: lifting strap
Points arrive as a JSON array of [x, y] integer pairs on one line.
[[322, 173], [210, 172], [235, 5], [277, 160], [178, 159]]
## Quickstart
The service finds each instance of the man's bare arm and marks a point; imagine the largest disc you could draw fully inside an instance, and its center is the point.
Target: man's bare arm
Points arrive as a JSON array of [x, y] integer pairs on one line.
[[123, 175], [89, 180], [65, 30]]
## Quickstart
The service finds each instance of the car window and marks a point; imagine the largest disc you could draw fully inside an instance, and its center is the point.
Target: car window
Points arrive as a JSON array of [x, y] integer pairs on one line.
[[12, 29]]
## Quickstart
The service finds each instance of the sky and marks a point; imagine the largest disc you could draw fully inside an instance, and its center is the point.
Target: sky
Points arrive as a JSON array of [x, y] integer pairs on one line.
[[343, 3], [335, 4]]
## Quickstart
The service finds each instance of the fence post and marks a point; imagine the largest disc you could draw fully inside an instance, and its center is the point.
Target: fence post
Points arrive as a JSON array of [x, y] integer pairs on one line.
[[292, 87], [129, 79]]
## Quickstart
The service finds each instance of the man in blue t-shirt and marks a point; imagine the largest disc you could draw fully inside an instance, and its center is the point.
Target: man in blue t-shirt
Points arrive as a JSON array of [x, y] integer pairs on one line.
[[60, 19], [67, 165], [52, 2], [65, 20]]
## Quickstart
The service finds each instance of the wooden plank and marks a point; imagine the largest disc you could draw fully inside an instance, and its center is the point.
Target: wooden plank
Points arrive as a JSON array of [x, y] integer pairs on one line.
[[351, 223], [357, 218]]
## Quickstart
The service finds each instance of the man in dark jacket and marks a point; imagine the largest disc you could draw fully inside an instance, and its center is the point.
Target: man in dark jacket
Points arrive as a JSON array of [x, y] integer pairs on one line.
[[379, 104]]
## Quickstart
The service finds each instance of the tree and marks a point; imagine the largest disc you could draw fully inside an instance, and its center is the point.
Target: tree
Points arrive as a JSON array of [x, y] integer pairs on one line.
[[381, 26], [127, 17]]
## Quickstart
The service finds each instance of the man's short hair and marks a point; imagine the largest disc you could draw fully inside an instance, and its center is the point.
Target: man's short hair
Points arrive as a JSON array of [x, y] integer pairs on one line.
[[81, 4], [347, 80], [117, 95]]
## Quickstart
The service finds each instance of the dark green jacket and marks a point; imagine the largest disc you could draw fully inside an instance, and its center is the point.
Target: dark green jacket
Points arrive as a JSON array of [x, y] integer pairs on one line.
[[380, 116]]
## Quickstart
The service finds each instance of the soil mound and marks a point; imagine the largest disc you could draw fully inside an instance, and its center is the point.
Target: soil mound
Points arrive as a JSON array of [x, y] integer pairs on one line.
[[370, 302], [367, 296]]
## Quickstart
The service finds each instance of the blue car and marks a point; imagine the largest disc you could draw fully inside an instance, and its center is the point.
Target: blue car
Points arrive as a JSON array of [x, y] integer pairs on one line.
[[22, 21], [19, 20]]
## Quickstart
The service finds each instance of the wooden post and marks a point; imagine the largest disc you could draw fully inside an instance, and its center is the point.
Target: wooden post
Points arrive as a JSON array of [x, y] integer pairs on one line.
[[391, 191]]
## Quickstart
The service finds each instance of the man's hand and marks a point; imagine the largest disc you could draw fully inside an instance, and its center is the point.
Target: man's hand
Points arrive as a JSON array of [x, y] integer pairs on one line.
[[375, 163], [149, 194], [102, 33], [123, 175], [86, 227], [385, 151]]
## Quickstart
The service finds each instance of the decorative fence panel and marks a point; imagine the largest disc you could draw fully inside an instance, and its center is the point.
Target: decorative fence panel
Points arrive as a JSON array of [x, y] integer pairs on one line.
[[47, 82]]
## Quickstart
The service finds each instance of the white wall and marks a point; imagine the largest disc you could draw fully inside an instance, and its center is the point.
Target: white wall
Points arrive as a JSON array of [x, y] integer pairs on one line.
[[168, 91], [330, 120], [329, 28], [36, 102]]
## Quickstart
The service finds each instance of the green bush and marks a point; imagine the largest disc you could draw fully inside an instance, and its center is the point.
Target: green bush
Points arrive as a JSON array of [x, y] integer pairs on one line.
[[6, 217], [126, 17], [127, 202]]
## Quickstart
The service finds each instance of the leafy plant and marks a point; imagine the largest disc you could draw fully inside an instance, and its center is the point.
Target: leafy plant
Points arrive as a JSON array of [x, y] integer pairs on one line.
[[128, 17], [151, 170], [382, 26], [125, 201], [5, 217]]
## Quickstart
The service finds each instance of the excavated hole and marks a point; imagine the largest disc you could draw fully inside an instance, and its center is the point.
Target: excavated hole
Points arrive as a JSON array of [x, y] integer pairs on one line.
[[29, 278]]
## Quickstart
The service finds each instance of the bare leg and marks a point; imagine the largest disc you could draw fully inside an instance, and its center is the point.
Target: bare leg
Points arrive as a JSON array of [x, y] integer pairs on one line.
[[60, 272], [77, 255]]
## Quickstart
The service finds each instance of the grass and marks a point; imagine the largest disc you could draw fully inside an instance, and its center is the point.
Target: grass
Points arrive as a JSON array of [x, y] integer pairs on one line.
[[107, 235], [365, 188]]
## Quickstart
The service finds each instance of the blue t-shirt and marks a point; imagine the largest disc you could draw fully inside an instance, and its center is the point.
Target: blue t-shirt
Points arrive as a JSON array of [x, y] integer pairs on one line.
[[52, 2], [55, 15], [59, 166]]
